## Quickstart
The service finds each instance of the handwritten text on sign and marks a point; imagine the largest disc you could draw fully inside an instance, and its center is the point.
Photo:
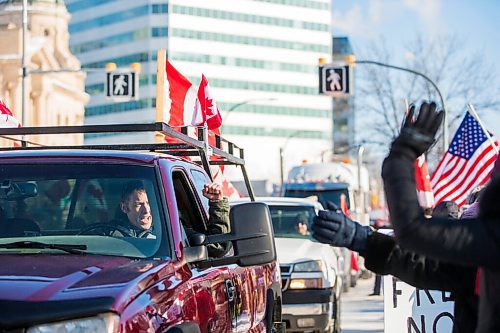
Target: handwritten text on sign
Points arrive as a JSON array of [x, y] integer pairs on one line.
[[412, 310]]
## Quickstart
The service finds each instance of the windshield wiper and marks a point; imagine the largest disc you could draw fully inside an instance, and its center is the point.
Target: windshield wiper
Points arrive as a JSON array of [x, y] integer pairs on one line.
[[70, 248]]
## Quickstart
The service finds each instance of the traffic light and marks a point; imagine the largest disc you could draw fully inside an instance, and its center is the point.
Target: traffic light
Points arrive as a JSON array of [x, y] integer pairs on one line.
[[122, 83], [334, 80]]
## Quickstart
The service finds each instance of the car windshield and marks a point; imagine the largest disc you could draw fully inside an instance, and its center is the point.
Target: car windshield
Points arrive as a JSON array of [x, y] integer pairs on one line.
[[292, 221], [323, 196], [79, 206]]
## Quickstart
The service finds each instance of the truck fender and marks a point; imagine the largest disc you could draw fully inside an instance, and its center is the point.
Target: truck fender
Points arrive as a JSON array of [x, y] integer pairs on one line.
[[186, 327]]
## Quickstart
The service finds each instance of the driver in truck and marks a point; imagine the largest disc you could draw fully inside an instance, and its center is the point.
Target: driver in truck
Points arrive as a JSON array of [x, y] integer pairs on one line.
[[135, 205]]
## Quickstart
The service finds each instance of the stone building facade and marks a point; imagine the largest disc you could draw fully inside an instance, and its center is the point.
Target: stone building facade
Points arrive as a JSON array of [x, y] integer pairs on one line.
[[57, 95]]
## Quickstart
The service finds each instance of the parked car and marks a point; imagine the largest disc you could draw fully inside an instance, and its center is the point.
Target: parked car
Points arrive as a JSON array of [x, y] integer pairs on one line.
[[311, 272], [66, 266]]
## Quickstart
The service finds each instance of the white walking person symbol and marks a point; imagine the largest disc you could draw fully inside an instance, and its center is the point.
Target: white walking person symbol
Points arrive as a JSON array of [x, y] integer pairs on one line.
[[120, 85], [334, 79]]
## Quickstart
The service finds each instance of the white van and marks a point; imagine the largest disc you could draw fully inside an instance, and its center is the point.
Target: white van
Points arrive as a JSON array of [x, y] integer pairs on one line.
[[311, 272]]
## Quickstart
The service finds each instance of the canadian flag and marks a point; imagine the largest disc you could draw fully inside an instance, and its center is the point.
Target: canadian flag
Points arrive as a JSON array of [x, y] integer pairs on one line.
[[206, 110], [181, 95], [228, 189], [7, 119], [343, 205], [423, 182]]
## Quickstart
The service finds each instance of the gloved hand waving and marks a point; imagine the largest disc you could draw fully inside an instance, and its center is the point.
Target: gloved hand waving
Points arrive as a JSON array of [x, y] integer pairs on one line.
[[417, 137], [334, 228]]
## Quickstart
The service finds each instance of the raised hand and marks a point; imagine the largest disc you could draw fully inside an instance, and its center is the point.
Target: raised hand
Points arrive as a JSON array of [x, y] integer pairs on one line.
[[417, 136], [212, 192], [334, 228]]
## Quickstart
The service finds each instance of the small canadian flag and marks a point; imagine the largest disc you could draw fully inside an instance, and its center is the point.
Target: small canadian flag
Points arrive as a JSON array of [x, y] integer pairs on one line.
[[205, 109], [423, 183], [7, 119]]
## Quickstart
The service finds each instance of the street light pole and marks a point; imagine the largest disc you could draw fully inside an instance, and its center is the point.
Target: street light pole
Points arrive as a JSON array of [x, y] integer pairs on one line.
[[445, 118]]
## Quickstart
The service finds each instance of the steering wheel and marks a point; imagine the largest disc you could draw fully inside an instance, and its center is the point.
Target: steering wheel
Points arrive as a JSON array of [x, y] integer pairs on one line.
[[107, 230]]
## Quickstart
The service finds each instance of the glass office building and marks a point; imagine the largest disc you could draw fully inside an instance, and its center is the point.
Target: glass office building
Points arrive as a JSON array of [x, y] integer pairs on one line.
[[260, 57]]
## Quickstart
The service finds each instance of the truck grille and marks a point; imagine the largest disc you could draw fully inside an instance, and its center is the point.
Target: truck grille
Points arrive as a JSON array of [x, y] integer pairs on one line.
[[286, 271]]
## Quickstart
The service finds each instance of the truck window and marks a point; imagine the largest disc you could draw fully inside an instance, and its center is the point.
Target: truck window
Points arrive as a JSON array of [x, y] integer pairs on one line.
[[200, 179], [189, 213], [76, 204]]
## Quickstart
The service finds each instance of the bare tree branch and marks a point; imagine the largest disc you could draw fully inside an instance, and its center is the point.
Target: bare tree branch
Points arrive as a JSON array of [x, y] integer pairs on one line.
[[461, 77]]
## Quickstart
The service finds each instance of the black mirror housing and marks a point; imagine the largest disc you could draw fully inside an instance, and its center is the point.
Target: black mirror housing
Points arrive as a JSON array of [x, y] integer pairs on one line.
[[251, 235], [251, 226]]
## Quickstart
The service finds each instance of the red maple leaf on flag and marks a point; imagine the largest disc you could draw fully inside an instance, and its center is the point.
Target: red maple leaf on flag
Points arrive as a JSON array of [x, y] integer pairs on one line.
[[206, 110], [208, 103]]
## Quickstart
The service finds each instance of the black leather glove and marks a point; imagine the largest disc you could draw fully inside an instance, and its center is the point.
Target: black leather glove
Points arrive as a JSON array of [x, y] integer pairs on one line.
[[416, 137], [334, 228]]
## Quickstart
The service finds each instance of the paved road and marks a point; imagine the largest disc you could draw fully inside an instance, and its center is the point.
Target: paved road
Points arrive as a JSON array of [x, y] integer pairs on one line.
[[361, 313]]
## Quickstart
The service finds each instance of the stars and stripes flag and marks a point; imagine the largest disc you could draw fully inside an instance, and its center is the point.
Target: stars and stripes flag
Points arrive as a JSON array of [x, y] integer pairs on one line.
[[466, 165]]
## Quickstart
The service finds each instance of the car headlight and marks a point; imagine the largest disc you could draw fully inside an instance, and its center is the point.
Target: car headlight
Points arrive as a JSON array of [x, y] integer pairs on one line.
[[305, 283], [309, 266], [107, 322]]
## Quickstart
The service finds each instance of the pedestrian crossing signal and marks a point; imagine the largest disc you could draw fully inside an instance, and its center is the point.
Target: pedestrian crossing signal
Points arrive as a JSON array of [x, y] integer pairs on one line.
[[334, 80], [121, 85]]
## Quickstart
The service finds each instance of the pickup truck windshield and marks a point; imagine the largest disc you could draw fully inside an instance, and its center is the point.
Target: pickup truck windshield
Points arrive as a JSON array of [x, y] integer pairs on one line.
[[292, 221], [106, 209]]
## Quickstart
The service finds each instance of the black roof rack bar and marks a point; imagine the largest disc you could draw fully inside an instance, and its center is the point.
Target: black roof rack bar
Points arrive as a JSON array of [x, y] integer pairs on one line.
[[86, 129], [120, 128], [187, 146]]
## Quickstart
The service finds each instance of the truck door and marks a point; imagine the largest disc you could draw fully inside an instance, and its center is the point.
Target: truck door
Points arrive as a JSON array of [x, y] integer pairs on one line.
[[213, 287]]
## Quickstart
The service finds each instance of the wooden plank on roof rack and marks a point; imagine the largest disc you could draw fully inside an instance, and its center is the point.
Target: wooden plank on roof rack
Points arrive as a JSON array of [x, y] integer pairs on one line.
[[161, 76]]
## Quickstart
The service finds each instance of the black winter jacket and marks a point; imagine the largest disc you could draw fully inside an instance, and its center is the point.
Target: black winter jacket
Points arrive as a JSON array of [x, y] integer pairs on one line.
[[384, 256], [471, 242]]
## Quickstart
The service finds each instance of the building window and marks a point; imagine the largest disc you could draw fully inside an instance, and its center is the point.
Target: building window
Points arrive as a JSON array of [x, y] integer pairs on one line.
[[109, 19], [243, 62], [234, 39], [243, 17]]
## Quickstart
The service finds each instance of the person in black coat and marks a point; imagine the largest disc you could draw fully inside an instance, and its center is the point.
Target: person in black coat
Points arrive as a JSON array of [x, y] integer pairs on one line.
[[384, 256], [475, 243]]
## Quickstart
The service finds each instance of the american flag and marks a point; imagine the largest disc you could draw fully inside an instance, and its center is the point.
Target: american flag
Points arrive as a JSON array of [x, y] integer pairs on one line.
[[466, 165]]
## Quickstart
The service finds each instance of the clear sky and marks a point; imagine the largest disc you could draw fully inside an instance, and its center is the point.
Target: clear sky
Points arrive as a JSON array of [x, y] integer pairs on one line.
[[476, 22]]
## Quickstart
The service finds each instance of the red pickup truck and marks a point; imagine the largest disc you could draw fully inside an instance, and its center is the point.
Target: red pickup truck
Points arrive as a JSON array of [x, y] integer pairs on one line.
[[66, 267]]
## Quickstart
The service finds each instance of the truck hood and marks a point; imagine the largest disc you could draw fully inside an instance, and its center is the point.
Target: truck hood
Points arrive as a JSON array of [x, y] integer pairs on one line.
[[292, 250], [42, 277]]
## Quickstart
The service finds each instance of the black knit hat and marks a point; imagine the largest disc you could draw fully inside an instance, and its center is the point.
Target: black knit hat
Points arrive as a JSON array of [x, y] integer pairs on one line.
[[446, 209]]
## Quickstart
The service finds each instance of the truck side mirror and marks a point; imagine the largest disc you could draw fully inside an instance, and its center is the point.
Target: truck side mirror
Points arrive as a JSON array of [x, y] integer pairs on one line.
[[251, 226], [196, 252], [251, 235]]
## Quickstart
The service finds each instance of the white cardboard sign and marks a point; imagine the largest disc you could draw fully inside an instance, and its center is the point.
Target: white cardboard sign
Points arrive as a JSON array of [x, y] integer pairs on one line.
[[411, 310]]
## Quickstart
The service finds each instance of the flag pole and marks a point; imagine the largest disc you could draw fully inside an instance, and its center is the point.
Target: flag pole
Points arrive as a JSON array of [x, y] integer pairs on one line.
[[161, 77], [473, 112]]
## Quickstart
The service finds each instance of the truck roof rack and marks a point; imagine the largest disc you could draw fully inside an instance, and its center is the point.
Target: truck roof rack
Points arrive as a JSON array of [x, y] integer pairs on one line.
[[224, 151]]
